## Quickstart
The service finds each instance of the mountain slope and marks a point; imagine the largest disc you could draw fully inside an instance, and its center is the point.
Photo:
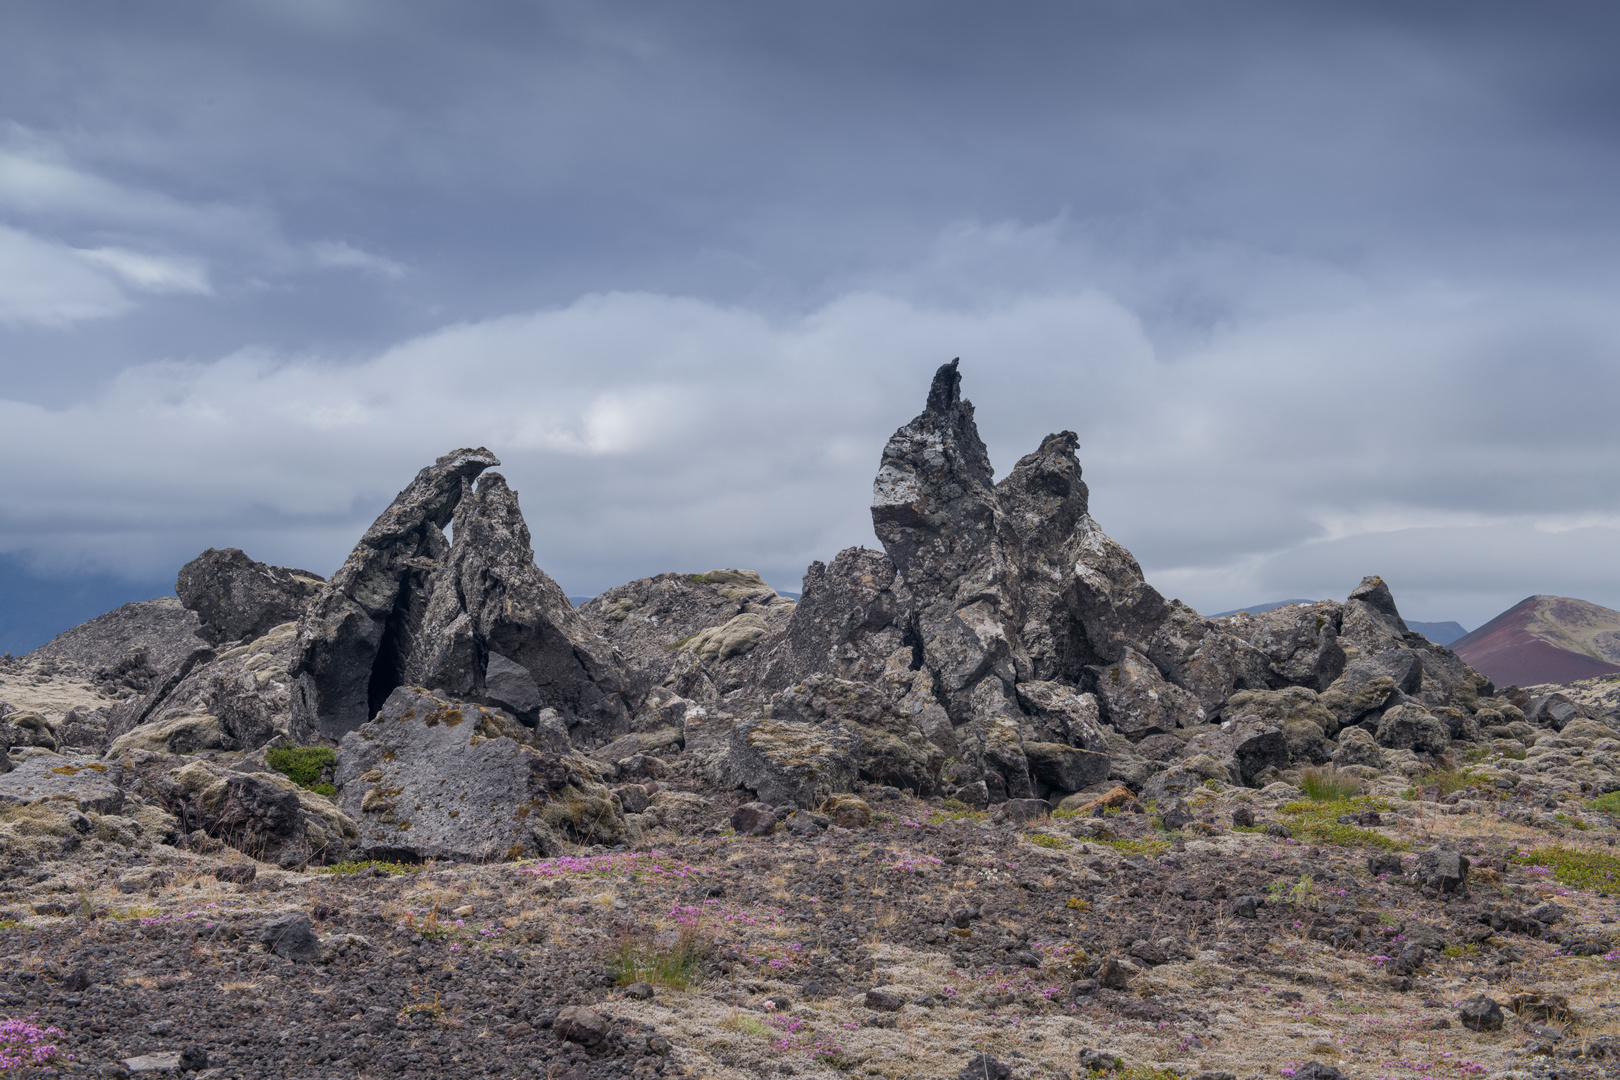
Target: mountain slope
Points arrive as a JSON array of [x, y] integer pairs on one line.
[[1545, 639]]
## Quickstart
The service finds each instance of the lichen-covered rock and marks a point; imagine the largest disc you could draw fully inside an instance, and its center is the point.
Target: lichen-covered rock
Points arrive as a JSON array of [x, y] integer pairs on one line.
[[435, 778], [793, 763], [26, 728], [889, 745], [238, 599], [698, 635], [1245, 746], [261, 814], [236, 699], [1356, 746], [1411, 727], [1138, 701], [1298, 641], [88, 783]]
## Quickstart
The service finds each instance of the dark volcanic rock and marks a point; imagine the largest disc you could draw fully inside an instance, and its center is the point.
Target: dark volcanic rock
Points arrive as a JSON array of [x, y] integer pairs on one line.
[[237, 598], [410, 608], [354, 641]]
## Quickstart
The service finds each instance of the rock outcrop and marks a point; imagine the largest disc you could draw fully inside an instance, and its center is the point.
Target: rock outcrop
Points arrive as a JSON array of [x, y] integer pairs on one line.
[[238, 599], [409, 607]]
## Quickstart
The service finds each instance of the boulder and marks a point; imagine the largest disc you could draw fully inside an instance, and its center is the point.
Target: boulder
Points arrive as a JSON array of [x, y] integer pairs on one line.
[[1481, 1013], [1245, 746], [1357, 747], [1138, 701], [754, 819], [87, 783], [791, 763], [261, 814], [432, 777], [238, 599], [27, 728], [1411, 727], [1442, 869], [291, 937], [848, 811], [238, 698]]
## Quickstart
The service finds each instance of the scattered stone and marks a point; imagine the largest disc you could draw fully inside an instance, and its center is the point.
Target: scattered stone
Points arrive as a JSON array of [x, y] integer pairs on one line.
[[292, 938], [577, 1024], [144, 879], [237, 873], [1481, 1013], [1442, 869], [1243, 816], [884, 1001], [640, 991], [1315, 1070], [754, 819], [1099, 1060], [1247, 907]]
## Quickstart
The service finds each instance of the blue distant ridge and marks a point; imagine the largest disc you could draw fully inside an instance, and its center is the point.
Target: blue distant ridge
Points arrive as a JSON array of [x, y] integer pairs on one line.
[[35, 608]]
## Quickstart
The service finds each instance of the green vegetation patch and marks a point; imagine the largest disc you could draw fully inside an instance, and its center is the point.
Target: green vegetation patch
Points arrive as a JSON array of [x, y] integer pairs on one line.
[[1318, 821], [1137, 847], [1575, 867], [394, 869], [1046, 840], [303, 764], [1608, 804], [1329, 784]]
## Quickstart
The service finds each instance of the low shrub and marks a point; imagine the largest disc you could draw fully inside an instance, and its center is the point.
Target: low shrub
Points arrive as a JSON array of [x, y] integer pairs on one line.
[[1607, 804], [303, 764], [1046, 840], [638, 957], [1328, 784]]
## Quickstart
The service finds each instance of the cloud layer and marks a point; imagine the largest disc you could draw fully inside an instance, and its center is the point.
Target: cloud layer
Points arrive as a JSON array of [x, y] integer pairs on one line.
[[646, 432], [1324, 290]]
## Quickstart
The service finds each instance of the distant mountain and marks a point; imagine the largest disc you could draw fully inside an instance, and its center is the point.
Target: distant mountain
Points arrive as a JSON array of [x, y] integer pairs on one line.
[[1441, 633], [1545, 639], [1257, 609]]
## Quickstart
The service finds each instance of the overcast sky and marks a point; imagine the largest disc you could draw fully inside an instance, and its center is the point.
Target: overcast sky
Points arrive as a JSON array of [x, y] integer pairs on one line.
[[1326, 290]]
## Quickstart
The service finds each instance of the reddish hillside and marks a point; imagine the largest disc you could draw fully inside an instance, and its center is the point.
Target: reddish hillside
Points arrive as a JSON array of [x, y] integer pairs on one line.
[[1544, 639]]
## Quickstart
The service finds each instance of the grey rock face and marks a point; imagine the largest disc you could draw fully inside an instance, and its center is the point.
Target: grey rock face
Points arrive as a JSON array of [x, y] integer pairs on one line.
[[409, 607], [489, 598], [354, 641], [698, 635], [435, 778], [934, 507], [236, 598], [852, 615], [1138, 701], [236, 699]]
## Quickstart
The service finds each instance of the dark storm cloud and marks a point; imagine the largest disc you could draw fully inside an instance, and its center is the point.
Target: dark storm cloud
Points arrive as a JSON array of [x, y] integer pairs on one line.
[[1325, 290]]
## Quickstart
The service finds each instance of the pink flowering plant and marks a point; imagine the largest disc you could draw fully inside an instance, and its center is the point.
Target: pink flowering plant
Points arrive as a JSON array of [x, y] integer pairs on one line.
[[26, 1045]]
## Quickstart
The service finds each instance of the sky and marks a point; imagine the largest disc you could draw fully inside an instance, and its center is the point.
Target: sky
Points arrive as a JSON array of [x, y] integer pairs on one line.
[[1325, 290]]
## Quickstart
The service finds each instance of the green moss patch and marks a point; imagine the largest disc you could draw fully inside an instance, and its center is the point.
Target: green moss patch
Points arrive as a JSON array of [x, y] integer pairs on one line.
[[303, 764], [1575, 867]]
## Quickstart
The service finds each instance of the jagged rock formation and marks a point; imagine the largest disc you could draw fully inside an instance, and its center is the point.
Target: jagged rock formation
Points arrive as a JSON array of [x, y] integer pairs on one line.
[[238, 599], [1003, 646], [409, 607]]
